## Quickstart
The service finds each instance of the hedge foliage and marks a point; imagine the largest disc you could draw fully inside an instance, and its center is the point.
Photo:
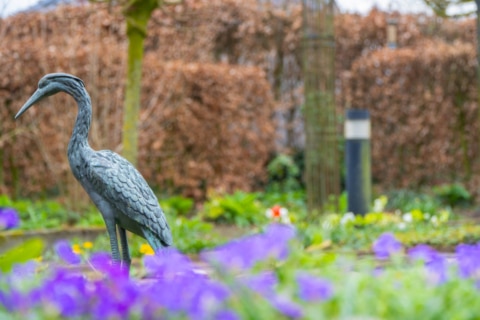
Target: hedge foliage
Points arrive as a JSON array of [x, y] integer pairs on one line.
[[222, 91], [202, 125]]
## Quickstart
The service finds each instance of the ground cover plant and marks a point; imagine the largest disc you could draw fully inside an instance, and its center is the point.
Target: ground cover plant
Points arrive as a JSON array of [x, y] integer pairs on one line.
[[263, 275], [418, 260], [414, 217]]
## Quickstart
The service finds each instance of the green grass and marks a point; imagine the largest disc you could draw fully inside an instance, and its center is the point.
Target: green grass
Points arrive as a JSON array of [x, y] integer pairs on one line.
[[413, 217]]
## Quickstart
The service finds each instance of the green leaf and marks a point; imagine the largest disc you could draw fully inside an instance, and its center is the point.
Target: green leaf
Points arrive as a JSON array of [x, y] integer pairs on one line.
[[22, 253]]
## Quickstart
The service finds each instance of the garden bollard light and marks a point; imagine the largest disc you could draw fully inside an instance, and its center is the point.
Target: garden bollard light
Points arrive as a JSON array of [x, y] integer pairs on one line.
[[358, 161]]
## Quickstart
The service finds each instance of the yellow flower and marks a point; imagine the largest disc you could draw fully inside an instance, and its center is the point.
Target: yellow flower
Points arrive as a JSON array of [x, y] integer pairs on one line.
[[38, 259], [76, 249], [146, 250], [87, 245]]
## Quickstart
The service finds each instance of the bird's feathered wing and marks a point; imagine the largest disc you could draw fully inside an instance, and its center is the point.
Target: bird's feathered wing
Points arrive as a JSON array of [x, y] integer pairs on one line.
[[115, 179]]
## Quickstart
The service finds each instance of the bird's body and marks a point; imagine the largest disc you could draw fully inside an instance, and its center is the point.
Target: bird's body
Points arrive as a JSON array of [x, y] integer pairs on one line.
[[118, 190]]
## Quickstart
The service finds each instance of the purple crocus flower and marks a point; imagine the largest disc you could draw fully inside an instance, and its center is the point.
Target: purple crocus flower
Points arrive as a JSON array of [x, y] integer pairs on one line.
[[468, 259], [167, 263], [435, 263], [238, 254], [65, 252], [437, 269], [103, 263], [244, 253], [207, 296], [114, 297], [67, 292], [386, 245], [13, 300], [422, 252], [25, 270], [178, 289], [277, 237], [8, 218], [287, 307], [311, 288], [226, 315], [264, 283]]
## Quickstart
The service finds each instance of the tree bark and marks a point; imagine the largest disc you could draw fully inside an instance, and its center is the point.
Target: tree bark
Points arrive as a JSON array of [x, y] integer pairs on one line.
[[137, 14], [477, 2]]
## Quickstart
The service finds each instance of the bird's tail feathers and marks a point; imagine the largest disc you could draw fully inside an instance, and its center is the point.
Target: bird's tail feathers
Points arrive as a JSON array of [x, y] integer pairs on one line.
[[154, 241]]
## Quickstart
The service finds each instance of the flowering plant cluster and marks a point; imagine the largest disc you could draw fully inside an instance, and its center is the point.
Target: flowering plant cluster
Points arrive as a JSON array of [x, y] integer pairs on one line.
[[265, 275], [378, 217], [262, 276], [175, 287], [466, 258]]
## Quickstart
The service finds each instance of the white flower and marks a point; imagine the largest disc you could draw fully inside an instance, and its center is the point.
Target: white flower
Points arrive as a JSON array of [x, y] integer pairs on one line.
[[349, 216], [269, 213], [327, 225], [407, 217], [379, 204], [402, 226]]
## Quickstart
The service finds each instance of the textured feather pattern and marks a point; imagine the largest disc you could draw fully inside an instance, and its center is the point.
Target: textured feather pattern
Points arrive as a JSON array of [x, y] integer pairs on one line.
[[118, 182]]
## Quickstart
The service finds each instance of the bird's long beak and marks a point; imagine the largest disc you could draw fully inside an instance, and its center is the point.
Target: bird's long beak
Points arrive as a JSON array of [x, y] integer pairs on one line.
[[37, 96]]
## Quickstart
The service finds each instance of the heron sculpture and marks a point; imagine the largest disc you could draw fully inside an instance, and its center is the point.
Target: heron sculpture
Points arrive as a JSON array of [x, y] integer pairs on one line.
[[118, 190]]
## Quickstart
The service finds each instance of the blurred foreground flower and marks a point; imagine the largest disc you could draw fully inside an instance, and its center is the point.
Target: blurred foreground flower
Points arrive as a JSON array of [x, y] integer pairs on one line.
[[468, 259], [311, 288], [65, 252], [179, 289], [244, 253], [265, 284], [167, 263], [435, 263], [278, 213], [386, 245], [8, 218], [102, 262]]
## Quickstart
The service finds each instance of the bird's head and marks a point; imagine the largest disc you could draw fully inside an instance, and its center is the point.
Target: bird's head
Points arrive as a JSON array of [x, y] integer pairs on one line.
[[49, 85]]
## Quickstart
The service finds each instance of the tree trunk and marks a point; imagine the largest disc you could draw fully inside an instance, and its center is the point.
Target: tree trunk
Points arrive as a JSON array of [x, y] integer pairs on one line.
[[137, 14], [477, 2], [322, 176]]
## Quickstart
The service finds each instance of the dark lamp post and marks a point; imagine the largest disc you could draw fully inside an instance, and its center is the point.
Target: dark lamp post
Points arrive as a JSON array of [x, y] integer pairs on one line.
[[358, 161]]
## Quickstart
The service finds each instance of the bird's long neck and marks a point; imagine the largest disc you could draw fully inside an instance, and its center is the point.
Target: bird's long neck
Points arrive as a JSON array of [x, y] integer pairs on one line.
[[79, 139]]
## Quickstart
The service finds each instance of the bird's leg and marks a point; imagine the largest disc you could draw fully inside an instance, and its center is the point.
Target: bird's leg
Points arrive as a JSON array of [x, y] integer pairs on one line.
[[112, 233], [125, 252], [108, 215]]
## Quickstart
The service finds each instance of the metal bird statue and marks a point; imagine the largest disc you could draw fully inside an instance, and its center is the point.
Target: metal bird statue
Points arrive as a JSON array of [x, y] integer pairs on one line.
[[118, 190]]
